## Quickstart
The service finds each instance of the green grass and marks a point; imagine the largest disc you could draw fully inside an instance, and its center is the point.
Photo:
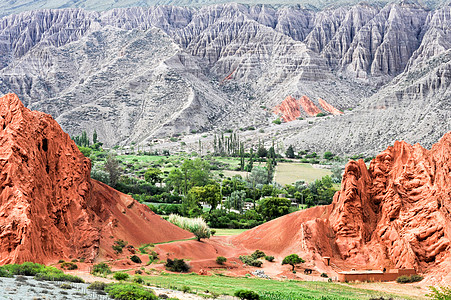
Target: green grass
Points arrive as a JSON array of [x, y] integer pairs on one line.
[[302, 289], [289, 173], [226, 231]]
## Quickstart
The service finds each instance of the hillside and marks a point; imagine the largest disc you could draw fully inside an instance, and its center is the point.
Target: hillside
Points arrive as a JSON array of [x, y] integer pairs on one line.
[[140, 74], [50, 208]]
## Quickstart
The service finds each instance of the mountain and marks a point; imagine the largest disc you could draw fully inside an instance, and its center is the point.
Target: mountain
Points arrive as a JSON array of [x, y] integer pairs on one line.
[[50, 208], [394, 214], [17, 6], [141, 74]]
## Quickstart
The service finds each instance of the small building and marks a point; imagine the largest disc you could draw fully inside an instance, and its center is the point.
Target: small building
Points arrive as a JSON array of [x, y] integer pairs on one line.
[[373, 275]]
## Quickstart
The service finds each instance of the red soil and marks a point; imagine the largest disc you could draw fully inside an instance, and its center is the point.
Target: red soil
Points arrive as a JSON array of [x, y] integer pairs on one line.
[[329, 108], [50, 208]]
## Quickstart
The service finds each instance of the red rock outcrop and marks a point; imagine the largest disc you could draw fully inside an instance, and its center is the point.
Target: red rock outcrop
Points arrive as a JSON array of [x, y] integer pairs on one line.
[[394, 214], [308, 106], [289, 109], [50, 208], [329, 108]]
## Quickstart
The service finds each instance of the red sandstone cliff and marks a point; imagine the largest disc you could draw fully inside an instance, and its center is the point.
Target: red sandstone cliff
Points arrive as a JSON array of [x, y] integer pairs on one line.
[[394, 214], [329, 108], [50, 208]]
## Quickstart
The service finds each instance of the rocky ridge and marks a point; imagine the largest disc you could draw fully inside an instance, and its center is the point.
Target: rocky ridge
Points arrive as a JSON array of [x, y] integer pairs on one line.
[[136, 74], [50, 208], [394, 214]]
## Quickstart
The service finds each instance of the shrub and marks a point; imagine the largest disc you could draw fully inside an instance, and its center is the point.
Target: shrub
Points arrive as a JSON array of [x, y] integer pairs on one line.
[[258, 254], [324, 275], [118, 246], [186, 289], [5, 273], [177, 265], [321, 114], [247, 295], [121, 276], [69, 266], [440, 293], [277, 121], [221, 260], [123, 291], [213, 232], [248, 260], [135, 259], [97, 285], [138, 280], [101, 268], [269, 258], [195, 225], [58, 277], [409, 279]]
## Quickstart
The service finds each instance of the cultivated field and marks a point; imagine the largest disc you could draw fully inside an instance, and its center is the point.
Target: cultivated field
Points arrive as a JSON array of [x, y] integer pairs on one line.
[[289, 173]]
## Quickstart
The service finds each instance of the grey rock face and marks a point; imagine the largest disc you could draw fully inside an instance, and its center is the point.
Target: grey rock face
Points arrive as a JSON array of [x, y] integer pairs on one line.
[[134, 74]]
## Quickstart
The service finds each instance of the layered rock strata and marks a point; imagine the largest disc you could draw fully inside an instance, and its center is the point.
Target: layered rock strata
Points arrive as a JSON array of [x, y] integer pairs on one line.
[[50, 208]]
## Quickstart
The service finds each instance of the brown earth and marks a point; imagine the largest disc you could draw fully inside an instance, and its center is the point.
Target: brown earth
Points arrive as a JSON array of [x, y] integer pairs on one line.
[[329, 108], [50, 208]]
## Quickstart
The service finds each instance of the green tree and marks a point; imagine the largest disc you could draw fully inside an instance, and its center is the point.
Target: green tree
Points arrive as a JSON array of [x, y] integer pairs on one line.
[[94, 137], [261, 151], [293, 260], [290, 152], [236, 200], [153, 175], [250, 165], [274, 207], [258, 176], [175, 181], [209, 193], [112, 168]]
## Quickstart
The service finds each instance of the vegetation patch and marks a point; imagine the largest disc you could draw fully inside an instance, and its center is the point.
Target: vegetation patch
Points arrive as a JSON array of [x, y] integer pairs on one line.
[[123, 291]]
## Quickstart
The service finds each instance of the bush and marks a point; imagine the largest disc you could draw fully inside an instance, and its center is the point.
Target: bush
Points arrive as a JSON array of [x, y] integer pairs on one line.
[[58, 277], [5, 273], [186, 289], [101, 268], [196, 225], [248, 260], [118, 246], [324, 275], [177, 265], [136, 259], [97, 286], [440, 293], [258, 254], [269, 258], [221, 260], [123, 291], [121, 276], [69, 266], [138, 280], [247, 295], [409, 279]]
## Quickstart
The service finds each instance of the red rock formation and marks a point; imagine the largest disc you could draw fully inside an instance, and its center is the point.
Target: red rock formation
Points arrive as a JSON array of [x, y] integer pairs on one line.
[[289, 109], [308, 106], [50, 208], [329, 108], [395, 214]]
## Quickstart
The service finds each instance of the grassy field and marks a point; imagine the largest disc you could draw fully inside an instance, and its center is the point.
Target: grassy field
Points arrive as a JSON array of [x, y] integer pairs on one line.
[[289, 173], [226, 231], [285, 289]]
